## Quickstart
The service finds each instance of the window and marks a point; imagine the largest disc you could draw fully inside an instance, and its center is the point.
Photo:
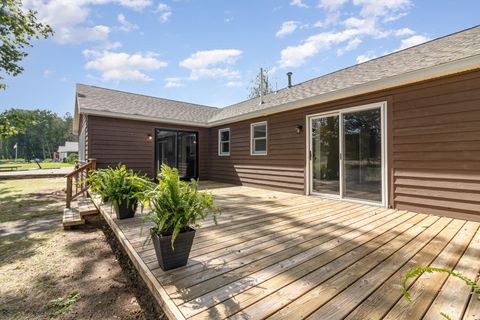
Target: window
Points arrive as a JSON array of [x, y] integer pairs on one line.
[[258, 142], [224, 142]]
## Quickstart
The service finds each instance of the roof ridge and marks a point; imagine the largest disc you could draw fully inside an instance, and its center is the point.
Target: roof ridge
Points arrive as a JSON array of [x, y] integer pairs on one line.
[[147, 96]]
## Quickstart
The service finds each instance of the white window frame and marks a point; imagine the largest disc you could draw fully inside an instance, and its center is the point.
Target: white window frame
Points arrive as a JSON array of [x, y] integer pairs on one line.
[[220, 153], [382, 105], [252, 139]]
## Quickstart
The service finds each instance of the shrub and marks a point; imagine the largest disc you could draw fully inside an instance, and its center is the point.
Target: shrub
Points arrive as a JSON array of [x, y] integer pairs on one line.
[[176, 205], [72, 158]]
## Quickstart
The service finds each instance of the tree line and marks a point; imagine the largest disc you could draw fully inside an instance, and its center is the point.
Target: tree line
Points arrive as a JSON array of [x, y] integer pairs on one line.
[[36, 133]]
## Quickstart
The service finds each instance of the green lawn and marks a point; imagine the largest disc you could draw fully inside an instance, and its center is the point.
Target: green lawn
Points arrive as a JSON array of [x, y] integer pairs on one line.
[[45, 165], [30, 198]]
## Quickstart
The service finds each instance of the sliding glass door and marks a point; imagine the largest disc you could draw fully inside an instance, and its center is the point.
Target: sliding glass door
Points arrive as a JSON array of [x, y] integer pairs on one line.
[[325, 155], [346, 154], [177, 149], [362, 136]]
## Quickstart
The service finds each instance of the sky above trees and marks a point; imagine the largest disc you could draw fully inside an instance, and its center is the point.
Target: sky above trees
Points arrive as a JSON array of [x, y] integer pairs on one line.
[[207, 51]]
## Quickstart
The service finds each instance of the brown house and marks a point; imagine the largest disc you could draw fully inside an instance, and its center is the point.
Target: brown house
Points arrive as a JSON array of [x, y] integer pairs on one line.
[[400, 131]]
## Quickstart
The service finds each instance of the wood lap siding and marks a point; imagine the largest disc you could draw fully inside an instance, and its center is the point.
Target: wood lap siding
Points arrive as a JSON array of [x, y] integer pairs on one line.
[[114, 141], [281, 169], [433, 147], [436, 156]]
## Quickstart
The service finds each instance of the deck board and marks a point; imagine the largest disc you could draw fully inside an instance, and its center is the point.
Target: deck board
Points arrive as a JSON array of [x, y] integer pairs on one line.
[[283, 256]]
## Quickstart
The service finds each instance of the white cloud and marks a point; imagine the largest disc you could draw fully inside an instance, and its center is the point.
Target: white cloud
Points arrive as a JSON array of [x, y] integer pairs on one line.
[[384, 8], [70, 18], [111, 45], [294, 56], [173, 82], [288, 27], [298, 3], [78, 35], [331, 4], [212, 64], [351, 45], [117, 66], [125, 25], [404, 32], [234, 84], [134, 4], [365, 57], [332, 18], [164, 12], [412, 41], [369, 21]]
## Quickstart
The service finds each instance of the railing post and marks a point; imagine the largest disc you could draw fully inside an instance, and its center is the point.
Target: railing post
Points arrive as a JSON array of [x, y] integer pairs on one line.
[[78, 177], [69, 192], [93, 162]]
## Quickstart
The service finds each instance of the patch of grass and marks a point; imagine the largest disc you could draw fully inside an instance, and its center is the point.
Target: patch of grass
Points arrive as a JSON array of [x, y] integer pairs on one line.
[[59, 306], [45, 165], [30, 198]]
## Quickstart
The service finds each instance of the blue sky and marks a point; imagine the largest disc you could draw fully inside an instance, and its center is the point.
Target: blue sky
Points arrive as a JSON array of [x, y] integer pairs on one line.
[[207, 51]]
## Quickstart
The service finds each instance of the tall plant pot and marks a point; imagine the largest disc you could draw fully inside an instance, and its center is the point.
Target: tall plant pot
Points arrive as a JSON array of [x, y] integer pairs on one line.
[[168, 258], [123, 211]]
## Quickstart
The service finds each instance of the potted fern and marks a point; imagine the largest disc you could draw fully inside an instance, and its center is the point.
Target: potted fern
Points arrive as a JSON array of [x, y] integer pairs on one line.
[[121, 187], [98, 183], [176, 206]]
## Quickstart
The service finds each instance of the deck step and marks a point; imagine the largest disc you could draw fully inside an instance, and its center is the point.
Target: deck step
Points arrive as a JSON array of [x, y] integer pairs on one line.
[[71, 217], [86, 207]]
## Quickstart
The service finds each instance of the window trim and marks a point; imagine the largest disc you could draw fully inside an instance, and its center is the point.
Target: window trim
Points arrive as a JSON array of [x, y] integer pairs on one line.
[[252, 139], [220, 131]]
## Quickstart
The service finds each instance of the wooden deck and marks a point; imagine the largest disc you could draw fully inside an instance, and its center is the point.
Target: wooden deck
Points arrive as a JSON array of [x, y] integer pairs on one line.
[[282, 256]]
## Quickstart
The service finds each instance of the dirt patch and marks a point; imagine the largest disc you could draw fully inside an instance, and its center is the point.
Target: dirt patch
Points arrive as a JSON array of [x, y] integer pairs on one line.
[[42, 266], [75, 274], [136, 283]]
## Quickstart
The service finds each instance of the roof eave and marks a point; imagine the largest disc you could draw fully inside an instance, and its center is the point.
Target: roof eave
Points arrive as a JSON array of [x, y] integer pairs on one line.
[[102, 113], [449, 68]]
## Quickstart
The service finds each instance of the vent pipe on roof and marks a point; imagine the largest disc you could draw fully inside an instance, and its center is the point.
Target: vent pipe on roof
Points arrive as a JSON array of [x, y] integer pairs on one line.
[[289, 75]]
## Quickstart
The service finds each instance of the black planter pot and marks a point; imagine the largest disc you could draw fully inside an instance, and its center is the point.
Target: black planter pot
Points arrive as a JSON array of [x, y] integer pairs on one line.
[[123, 211], [168, 258]]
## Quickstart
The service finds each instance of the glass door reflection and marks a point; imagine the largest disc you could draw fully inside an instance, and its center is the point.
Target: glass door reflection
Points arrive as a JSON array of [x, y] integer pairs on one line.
[[362, 165], [325, 155], [177, 149]]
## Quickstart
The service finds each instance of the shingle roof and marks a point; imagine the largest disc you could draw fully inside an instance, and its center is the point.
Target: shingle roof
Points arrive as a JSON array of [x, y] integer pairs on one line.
[[454, 47], [450, 48], [119, 102]]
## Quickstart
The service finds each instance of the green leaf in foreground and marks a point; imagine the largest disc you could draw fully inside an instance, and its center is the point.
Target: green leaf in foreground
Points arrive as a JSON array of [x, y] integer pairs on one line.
[[418, 271]]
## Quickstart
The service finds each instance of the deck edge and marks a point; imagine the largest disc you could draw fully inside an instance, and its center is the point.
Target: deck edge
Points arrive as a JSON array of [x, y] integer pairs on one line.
[[156, 289]]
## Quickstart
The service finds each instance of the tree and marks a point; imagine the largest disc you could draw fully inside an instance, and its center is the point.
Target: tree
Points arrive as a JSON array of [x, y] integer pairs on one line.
[[17, 28], [266, 88], [14, 121], [37, 133]]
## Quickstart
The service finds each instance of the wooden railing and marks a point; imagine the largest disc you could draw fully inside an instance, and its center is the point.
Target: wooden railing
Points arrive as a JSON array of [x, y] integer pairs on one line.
[[76, 184]]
